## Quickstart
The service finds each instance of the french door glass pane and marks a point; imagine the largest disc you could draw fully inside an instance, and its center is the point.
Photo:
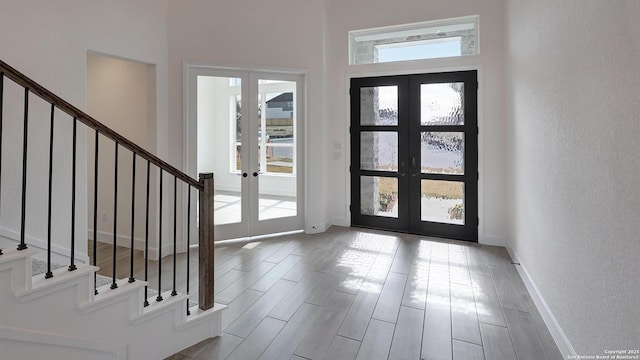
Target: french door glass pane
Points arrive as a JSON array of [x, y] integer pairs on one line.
[[442, 201], [379, 150], [276, 146], [379, 105], [442, 104], [237, 129], [442, 152], [219, 136], [379, 196]]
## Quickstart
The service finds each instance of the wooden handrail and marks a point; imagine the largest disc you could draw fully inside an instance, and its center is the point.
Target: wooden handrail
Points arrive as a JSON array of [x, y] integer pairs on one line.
[[89, 121]]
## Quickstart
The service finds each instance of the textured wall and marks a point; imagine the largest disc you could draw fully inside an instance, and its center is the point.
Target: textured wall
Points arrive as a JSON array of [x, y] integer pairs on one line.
[[266, 35], [48, 41], [573, 111]]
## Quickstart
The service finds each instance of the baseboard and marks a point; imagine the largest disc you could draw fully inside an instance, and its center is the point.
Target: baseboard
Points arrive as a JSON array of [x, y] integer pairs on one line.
[[59, 254], [124, 241], [31, 338], [493, 240], [340, 221], [315, 228], [549, 319]]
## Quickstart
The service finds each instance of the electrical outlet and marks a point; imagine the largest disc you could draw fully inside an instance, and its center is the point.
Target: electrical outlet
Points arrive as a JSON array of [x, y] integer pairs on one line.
[[104, 216]]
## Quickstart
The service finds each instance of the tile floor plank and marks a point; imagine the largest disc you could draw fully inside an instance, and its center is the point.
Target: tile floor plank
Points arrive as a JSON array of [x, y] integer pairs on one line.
[[464, 316], [246, 322], [377, 341], [258, 340], [357, 319], [415, 291], [342, 348], [390, 298], [496, 342], [215, 348], [243, 283], [319, 337], [467, 351], [287, 341], [487, 302], [272, 276], [525, 340], [408, 335], [290, 304], [436, 335], [238, 306]]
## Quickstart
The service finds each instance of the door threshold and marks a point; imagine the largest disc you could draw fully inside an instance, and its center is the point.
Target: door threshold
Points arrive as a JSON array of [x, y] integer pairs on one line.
[[249, 239]]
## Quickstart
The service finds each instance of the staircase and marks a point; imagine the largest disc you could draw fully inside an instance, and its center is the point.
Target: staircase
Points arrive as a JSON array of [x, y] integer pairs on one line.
[[62, 313]]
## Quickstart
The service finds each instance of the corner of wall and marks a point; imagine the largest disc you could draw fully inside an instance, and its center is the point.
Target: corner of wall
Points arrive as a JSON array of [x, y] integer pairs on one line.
[[560, 338]]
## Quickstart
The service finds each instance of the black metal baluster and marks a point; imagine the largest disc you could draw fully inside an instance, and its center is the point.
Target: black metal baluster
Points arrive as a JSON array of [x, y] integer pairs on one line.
[[175, 240], [159, 298], [95, 212], [114, 285], [49, 273], [188, 239], [146, 243], [73, 198], [22, 244], [1, 111], [133, 209]]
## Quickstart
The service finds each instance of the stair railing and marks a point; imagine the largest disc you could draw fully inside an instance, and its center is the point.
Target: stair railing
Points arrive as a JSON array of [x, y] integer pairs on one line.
[[204, 186]]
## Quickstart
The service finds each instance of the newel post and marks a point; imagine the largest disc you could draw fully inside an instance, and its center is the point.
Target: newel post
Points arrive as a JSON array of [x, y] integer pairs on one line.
[[206, 249]]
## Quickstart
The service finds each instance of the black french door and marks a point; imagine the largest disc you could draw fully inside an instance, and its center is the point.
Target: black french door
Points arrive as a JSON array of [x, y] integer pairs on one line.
[[414, 154]]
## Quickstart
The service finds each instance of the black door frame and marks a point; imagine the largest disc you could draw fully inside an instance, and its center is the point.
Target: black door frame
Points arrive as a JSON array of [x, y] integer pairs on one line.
[[409, 175]]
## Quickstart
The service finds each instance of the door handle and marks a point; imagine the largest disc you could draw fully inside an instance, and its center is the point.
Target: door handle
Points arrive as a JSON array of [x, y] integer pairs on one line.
[[255, 174], [243, 174]]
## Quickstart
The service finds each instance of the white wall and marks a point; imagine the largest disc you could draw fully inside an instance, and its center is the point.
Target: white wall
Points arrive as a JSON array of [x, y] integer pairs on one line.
[[121, 94], [573, 137], [48, 41], [343, 16], [274, 35]]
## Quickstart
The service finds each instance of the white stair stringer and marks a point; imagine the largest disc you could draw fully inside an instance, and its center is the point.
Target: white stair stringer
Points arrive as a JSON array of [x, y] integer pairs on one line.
[[61, 318]]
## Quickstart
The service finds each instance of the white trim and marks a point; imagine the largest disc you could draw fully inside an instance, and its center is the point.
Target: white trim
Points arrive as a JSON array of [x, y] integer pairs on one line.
[[549, 319], [106, 237], [249, 239], [493, 240], [315, 228], [59, 253], [119, 351]]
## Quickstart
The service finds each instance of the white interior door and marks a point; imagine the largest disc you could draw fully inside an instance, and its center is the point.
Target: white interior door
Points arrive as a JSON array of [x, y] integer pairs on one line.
[[247, 130]]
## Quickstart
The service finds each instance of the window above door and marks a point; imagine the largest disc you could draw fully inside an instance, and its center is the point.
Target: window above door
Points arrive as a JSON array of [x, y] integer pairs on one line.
[[417, 41]]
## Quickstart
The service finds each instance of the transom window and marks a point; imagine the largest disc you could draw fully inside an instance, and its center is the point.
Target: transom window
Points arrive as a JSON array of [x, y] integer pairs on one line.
[[417, 41]]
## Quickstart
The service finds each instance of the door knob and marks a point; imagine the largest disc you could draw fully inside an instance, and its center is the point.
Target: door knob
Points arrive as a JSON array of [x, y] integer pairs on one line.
[[255, 174], [244, 175]]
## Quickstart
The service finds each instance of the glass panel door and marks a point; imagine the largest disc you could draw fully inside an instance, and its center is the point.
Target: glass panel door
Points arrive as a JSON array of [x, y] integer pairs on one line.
[[276, 170], [219, 115], [444, 144], [378, 154], [414, 154], [255, 155]]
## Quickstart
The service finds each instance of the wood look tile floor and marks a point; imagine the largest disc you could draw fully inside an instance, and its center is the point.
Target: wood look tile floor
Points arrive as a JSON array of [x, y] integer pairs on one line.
[[363, 294]]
